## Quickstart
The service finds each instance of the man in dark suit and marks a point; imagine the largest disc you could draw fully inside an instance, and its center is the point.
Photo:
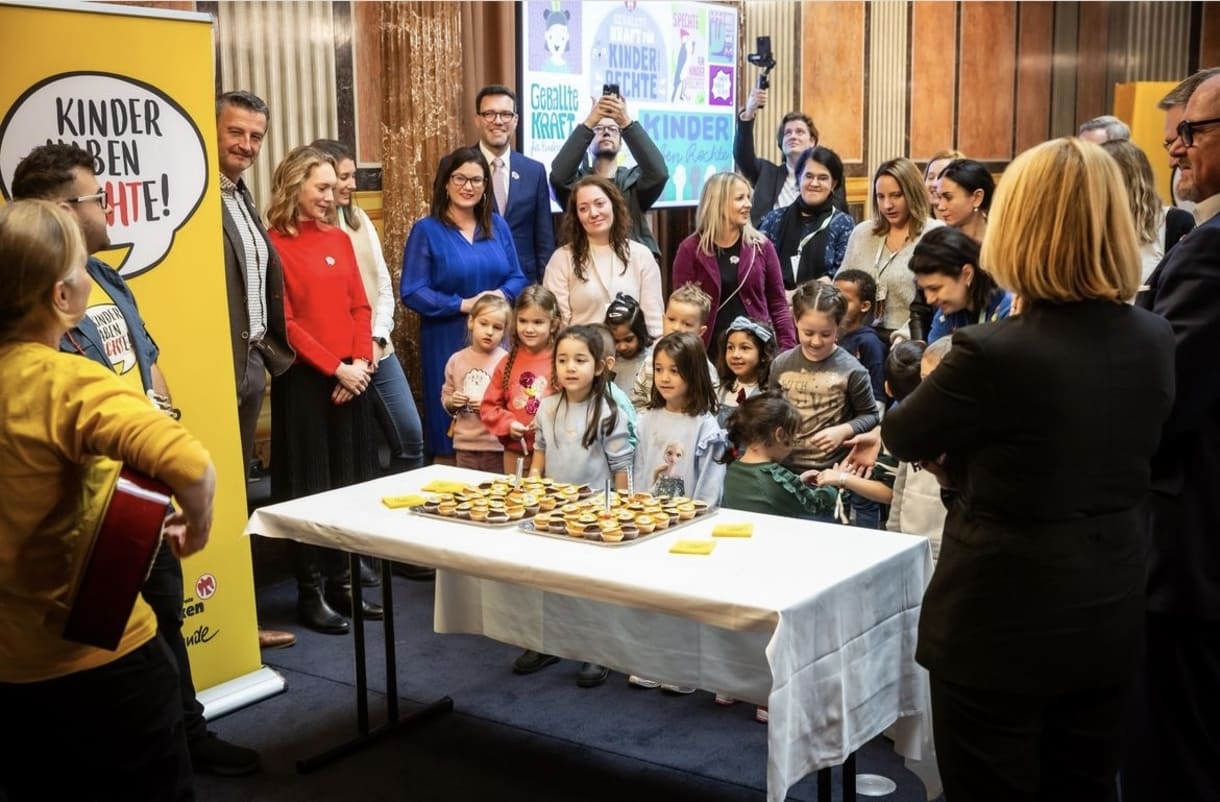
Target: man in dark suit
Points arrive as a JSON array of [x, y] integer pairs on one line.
[[1177, 755], [775, 185], [518, 182]]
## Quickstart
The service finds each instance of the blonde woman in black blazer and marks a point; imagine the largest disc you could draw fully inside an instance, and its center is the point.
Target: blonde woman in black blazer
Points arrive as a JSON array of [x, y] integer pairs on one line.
[[1044, 426]]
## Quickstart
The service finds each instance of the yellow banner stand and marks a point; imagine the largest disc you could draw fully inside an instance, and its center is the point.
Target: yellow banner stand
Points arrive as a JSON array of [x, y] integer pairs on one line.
[[135, 87], [1135, 104]]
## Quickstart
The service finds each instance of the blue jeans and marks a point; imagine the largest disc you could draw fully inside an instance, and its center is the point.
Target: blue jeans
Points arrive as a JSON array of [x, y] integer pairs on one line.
[[868, 513], [397, 415]]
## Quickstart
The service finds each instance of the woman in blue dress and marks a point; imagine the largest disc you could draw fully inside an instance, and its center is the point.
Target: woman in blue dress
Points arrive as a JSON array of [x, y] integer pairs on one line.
[[460, 251]]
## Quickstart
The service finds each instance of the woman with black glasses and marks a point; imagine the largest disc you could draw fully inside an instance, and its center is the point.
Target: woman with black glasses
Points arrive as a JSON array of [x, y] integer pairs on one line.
[[459, 252]]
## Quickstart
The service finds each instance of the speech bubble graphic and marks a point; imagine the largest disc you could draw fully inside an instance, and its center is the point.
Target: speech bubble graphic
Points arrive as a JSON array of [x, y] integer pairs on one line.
[[147, 152]]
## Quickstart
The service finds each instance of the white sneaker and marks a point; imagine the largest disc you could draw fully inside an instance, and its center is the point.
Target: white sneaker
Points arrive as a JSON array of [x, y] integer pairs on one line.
[[761, 715], [640, 682], [721, 699], [679, 689]]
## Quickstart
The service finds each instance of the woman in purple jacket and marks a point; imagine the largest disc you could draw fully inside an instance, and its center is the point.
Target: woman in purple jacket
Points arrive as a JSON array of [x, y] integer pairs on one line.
[[733, 262]]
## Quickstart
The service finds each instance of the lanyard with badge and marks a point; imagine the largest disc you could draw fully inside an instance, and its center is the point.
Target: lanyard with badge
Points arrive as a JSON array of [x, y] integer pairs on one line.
[[880, 269]]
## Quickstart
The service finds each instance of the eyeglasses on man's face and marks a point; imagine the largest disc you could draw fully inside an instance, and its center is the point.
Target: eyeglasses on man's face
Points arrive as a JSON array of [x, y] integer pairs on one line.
[[1187, 128], [503, 116], [613, 130], [99, 197], [472, 181]]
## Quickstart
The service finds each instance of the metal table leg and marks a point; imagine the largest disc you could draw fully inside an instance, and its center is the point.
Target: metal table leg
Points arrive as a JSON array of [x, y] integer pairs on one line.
[[394, 722]]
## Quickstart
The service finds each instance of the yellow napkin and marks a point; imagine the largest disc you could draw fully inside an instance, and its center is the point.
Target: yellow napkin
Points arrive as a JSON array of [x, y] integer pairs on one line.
[[693, 547], [398, 502], [733, 530], [443, 486]]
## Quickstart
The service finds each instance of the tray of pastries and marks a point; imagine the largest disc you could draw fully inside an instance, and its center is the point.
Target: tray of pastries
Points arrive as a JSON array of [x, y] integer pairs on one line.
[[629, 518], [502, 502]]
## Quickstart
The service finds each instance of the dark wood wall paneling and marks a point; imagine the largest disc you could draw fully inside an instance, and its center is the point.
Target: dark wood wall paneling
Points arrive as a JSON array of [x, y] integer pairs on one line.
[[933, 84], [345, 90], [834, 53], [1035, 57], [987, 64], [1209, 40], [368, 92], [1092, 48]]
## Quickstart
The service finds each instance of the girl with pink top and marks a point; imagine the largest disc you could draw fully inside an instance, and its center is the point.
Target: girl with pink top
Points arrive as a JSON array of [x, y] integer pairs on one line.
[[467, 377], [523, 377]]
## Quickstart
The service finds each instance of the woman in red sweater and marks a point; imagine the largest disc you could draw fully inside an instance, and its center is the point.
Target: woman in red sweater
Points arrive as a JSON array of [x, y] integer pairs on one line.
[[321, 435]]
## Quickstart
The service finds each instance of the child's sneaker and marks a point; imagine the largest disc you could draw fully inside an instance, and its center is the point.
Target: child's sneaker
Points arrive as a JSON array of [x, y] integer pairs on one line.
[[678, 689], [640, 682], [721, 699], [760, 714]]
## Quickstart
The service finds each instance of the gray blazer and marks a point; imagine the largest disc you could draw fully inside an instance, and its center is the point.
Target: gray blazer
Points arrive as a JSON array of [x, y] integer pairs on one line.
[[277, 353]]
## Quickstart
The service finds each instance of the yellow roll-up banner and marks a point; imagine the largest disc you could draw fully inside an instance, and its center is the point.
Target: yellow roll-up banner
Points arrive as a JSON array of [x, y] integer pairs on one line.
[[135, 87]]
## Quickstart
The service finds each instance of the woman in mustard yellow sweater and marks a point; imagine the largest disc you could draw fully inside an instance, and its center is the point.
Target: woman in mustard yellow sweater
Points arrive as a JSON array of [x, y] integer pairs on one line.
[[79, 722]]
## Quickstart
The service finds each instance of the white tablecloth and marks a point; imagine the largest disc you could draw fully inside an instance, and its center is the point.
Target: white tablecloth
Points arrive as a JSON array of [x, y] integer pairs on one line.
[[817, 621]]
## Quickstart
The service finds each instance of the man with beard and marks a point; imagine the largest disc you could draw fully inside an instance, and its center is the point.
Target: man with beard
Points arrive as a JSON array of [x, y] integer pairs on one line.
[[1174, 105], [603, 134]]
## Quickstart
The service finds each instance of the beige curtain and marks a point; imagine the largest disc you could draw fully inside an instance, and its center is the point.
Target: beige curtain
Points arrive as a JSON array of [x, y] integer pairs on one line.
[[421, 53]]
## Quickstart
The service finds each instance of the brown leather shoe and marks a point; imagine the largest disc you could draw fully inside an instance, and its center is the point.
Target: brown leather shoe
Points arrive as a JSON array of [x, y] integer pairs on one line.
[[275, 639]]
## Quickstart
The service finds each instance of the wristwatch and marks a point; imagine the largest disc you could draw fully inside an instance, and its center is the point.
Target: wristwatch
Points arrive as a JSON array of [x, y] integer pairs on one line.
[[381, 341]]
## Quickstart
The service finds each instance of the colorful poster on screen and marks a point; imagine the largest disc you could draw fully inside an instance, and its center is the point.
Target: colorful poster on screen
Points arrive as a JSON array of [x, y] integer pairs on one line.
[[674, 64]]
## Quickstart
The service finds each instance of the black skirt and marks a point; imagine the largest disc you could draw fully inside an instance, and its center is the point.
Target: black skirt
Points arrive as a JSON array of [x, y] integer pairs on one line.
[[316, 444]]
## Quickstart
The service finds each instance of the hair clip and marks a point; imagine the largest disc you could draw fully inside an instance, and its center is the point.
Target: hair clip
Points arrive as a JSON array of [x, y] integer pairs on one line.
[[743, 323], [622, 307]]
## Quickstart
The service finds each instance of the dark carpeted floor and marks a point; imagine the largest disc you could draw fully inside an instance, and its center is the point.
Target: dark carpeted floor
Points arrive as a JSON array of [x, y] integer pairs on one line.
[[539, 737]]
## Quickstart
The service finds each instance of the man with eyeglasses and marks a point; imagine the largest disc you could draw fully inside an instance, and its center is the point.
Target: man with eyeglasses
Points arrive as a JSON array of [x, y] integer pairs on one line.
[[518, 182], [1174, 752], [775, 185], [113, 333], [1174, 105], [602, 134]]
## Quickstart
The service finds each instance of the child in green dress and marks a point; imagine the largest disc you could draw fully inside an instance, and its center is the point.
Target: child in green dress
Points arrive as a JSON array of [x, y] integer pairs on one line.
[[762, 430]]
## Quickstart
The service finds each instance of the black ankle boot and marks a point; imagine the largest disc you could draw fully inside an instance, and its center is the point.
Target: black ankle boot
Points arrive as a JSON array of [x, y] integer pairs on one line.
[[312, 609], [315, 613], [341, 602], [370, 576], [339, 596]]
